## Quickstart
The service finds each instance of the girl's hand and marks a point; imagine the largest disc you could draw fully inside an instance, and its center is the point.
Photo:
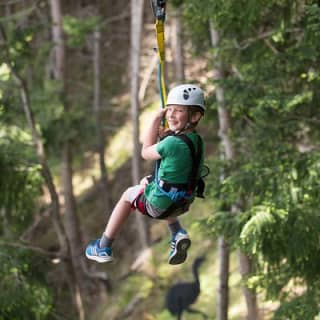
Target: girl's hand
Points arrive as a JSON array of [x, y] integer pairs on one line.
[[160, 114], [163, 132], [146, 180]]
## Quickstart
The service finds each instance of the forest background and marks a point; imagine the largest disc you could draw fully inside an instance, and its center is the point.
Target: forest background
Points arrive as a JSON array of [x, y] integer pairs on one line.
[[77, 85]]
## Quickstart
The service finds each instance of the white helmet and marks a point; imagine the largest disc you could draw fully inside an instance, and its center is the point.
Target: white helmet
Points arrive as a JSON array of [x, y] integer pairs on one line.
[[187, 95]]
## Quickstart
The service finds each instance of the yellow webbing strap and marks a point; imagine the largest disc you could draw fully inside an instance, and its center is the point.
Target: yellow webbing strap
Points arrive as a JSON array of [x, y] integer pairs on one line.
[[160, 39], [161, 53]]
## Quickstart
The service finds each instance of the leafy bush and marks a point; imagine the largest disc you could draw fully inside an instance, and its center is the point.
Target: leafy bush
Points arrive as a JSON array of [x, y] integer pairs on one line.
[[24, 293]]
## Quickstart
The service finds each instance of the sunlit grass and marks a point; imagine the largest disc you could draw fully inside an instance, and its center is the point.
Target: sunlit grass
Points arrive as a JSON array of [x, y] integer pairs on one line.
[[121, 146], [4, 72]]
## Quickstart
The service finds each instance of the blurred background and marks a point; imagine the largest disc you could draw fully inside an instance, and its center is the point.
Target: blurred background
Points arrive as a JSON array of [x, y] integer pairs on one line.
[[78, 85]]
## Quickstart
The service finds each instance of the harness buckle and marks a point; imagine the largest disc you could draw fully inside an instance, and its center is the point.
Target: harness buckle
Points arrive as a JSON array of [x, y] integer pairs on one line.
[[167, 187]]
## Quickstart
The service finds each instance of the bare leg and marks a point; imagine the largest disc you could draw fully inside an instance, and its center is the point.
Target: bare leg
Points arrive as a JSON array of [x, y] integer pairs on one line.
[[119, 215], [174, 225], [171, 220], [100, 250]]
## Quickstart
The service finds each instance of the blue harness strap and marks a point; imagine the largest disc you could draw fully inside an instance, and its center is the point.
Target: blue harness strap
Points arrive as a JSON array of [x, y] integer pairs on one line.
[[174, 194], [179, 196]]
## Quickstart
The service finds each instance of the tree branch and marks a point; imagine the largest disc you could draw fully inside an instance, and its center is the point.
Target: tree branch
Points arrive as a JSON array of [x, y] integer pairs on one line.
[[125, 14], [261, 36], [42, 251]]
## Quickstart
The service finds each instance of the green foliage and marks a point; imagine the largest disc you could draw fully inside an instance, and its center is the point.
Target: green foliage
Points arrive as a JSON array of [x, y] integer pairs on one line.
[[286, 227], [23, 291], [20, 48], [224, 223], [300, 307], [261, 230], [78, 29], [196, 25], [177, 3], [272, 91], [45, 102], [312, 23], [20, 180], [237, 21], [130, 290], [4, 73]]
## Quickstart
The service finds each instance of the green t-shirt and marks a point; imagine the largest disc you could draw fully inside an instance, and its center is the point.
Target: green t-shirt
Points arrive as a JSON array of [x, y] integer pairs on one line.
[[175, 167]]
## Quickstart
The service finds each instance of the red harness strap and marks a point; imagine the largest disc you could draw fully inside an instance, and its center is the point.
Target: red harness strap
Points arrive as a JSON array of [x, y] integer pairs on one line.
[[138, 204]]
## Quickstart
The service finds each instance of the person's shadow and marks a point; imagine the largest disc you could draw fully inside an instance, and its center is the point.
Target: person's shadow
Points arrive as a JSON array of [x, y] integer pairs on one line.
[[182, 295]]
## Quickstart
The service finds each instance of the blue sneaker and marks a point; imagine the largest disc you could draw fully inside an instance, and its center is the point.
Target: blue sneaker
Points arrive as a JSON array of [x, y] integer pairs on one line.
[[94, 252], [180, 244]]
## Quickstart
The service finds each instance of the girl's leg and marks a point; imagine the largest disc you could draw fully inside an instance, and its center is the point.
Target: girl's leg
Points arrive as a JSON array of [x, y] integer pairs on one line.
[[100, 250], [174, 225], [180, 242], [118, 216]]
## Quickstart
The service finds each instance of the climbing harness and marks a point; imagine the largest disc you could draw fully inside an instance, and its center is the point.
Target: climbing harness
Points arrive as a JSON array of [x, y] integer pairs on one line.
[[183, 191], [159, 11], [180, 194]]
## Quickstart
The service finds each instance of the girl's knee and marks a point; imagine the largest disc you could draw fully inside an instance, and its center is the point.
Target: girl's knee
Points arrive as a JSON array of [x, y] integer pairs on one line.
[[132, 193], [125, 194]]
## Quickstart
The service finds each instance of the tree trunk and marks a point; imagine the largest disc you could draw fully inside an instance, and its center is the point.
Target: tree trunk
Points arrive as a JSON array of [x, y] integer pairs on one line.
[[177, 46], [71, 217], [223, 285], [136, 30], [225, 128], [46, 172], [106, 192], [63, 240], [250, 295]]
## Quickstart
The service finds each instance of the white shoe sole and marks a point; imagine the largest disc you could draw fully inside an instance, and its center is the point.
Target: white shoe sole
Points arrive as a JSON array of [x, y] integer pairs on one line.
[[180, 253], [100, 259]]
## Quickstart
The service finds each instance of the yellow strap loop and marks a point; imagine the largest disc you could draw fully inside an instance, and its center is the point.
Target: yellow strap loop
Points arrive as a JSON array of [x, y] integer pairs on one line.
[[160, 39], [161, 53]]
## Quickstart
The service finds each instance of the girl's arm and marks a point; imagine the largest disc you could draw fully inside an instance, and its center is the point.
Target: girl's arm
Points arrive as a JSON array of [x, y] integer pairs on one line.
[[149, 146]]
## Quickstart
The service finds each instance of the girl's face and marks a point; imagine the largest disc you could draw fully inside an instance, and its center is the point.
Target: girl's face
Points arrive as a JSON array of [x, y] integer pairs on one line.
[[177, 117]]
